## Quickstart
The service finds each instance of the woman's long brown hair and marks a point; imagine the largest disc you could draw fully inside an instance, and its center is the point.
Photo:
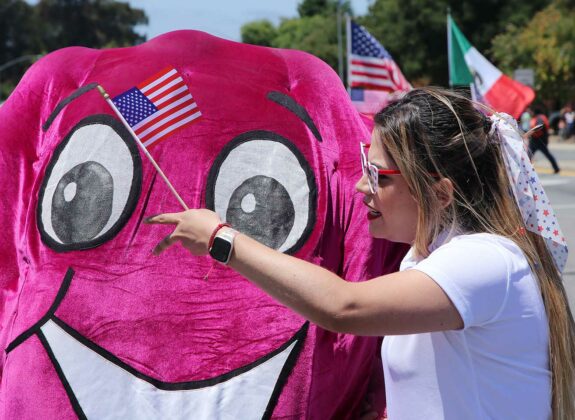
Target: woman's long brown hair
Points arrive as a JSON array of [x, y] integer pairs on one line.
[[432, 130]]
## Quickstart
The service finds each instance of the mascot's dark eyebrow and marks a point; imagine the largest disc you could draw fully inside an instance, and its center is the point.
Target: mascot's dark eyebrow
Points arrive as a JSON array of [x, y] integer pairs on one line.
[[291, 105], [66, 101]]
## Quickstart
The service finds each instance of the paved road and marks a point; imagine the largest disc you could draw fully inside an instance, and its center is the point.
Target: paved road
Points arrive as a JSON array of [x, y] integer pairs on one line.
[[561, 192], [564, 152]]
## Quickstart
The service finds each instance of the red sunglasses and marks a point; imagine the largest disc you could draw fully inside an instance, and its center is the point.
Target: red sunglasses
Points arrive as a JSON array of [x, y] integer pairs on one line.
[[371, 171]]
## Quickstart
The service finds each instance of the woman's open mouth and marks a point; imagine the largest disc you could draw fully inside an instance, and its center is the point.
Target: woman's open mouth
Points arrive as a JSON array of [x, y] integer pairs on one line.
[[373, 214]]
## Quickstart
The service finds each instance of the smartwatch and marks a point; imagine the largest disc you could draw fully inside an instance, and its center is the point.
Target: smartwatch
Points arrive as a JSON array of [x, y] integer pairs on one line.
[[223, 245]]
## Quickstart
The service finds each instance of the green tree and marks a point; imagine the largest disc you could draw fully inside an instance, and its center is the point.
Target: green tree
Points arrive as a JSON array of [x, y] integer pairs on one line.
[[414, 31], [259, 32], [308, 8], [90, 23], [546, 44], [314, 31], [17, 30], [315, 34], [20, 42], [28, 31]]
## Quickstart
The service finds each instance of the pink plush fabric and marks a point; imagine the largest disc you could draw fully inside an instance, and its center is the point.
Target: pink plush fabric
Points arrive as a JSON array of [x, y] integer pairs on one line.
[[157, 317]]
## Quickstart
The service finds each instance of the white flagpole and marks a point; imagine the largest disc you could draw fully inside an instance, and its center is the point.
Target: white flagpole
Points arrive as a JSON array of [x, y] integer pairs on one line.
[[449, 46], [348, 36], [148, 155], [339, 42]]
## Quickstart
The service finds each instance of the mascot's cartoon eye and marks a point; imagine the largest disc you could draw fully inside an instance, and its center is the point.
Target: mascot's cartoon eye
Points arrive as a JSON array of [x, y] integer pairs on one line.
[[91, 185], [264, 187]]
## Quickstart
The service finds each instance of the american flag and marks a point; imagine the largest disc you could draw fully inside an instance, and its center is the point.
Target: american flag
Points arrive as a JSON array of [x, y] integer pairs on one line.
[[370, 65], [369, 102], [158, 106]]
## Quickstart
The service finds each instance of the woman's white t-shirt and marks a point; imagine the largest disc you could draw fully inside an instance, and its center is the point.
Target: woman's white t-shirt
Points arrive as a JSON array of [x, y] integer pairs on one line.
[[497, 366]]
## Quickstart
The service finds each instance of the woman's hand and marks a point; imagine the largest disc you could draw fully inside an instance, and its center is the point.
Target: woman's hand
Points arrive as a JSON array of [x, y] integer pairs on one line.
[[193, 229]]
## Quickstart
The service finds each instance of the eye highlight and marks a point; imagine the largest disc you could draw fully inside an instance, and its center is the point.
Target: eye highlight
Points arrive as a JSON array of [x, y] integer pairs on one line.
[[91, 185]]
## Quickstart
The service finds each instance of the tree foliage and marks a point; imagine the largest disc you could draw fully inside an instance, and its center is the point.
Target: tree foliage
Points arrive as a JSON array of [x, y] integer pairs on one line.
[[315, 34], [20, 42], [17, 30], [547, 45], [90, 23], [259, 32], [414, 31], [309, 8], [27, 31], [314, 31]]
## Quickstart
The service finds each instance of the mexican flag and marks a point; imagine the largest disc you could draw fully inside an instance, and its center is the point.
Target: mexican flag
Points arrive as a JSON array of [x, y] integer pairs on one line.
[[488, 85]]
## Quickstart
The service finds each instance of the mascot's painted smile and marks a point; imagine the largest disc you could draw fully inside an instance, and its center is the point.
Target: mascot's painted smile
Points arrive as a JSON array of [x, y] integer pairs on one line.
[[93, 325], [99, 385]]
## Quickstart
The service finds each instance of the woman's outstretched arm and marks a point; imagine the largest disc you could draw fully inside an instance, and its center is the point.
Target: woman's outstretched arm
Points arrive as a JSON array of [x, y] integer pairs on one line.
[[400, 303]]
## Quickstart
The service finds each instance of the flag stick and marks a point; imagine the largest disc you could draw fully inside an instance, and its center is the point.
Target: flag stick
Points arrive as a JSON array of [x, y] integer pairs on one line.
[[151, 159]]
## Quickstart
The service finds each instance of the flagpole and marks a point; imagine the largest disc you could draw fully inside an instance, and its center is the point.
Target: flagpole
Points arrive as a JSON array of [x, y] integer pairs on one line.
[[449, 46], [339, 42], [148, 155], [348, 52]]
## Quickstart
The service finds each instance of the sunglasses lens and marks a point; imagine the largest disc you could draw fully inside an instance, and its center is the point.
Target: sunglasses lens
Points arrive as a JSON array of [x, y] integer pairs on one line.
[[363, 159], [372, 178], [368, 170]]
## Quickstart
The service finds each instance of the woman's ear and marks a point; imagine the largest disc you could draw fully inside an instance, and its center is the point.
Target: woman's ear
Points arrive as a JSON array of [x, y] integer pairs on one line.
[[444, 191]]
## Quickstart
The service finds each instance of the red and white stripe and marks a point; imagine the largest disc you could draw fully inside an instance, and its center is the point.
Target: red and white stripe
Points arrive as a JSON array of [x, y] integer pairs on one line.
[[498, 90], [376, 73], [176, 106]]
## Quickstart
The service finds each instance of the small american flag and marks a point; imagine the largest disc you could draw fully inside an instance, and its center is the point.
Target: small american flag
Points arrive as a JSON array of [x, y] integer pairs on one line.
[[158, 106], [370, 65]]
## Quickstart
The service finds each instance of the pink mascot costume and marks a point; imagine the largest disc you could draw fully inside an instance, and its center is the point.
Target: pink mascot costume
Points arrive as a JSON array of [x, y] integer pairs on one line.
[[92, 324]]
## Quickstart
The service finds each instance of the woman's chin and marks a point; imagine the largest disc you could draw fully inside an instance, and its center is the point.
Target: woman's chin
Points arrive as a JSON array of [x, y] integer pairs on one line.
[[378, 231]]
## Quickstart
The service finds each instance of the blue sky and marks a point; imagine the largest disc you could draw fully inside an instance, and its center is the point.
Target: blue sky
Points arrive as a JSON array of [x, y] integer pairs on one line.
[[222, 18]]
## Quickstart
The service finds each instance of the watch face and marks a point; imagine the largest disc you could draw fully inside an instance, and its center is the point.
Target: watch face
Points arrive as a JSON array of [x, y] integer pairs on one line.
[[220, 250]]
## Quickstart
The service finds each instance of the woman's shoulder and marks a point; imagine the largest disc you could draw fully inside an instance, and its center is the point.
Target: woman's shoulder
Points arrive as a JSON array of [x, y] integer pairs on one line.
[[478, 250], [475, 271], [487, 246], [483, 239]]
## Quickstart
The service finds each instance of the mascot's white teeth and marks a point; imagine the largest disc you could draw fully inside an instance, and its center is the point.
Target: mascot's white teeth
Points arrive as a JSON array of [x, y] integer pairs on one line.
[[105, 390]]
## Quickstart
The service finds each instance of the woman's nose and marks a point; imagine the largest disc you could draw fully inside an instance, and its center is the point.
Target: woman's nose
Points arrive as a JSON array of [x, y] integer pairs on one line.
[[362, 185]]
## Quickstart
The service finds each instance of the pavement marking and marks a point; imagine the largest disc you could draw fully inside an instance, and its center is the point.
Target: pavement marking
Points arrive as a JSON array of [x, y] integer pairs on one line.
[[564, 172], [561, 146]]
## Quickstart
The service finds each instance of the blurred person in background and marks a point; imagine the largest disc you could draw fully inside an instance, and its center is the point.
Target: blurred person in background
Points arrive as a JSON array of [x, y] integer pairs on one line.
[[525, 119], [539, 138], [569, 118]]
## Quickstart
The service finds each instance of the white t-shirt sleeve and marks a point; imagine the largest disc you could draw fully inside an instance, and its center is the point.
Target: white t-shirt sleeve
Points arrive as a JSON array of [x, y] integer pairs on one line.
[[474, 273]]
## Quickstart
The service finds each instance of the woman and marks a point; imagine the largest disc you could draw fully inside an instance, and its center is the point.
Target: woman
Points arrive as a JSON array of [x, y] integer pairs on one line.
[[476, 321]]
